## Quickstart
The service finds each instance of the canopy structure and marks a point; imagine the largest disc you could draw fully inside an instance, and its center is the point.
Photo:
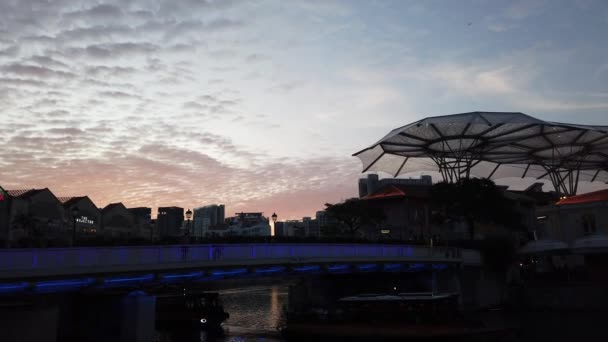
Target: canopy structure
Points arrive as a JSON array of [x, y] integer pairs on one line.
[[494, 145]]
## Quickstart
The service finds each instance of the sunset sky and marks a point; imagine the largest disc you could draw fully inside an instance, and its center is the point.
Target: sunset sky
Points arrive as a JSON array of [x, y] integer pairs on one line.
[[260, 104]]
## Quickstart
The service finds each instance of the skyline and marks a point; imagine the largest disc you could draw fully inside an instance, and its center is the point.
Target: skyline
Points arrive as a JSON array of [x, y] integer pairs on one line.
[[260, 105]]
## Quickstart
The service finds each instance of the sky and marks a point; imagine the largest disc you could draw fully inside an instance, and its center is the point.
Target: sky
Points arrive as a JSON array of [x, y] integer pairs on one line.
[[260, 104]]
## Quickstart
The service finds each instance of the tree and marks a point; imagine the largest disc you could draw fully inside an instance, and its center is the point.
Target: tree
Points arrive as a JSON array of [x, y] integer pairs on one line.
[[354, 214], [476, 200]]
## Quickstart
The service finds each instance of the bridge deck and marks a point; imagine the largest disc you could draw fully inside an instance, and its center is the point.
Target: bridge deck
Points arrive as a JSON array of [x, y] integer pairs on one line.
[[26, 264]]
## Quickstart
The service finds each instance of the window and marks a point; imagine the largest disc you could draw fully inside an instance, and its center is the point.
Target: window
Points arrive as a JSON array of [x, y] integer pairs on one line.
[[588, 224]]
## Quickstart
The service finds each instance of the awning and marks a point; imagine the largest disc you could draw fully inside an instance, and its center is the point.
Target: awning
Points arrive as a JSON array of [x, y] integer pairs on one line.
[[592, 244], [544, 246]]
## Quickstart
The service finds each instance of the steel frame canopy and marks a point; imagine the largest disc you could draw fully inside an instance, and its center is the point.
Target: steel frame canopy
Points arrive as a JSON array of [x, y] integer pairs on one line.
[[494, 145]]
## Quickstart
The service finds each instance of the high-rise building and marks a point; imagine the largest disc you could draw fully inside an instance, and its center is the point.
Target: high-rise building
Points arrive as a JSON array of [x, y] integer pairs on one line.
[[169, 221], [206, 217]]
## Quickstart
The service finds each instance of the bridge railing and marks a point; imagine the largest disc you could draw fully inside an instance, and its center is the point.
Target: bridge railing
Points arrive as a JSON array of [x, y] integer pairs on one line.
[[80, 260]]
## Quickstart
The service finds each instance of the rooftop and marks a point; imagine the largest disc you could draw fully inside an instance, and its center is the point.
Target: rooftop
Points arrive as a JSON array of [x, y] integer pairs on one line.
[[590, 197]]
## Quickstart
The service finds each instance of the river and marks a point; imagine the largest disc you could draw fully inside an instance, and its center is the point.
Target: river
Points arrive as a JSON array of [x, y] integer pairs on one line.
[[255, 315], [257, 312]]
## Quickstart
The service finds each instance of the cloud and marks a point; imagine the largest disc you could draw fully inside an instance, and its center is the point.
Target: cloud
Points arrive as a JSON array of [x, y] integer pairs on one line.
[[110, 71], [98, 12], [94, 33], [523, 9], [11, 51], [46, 61], [34, 71], [112, 50], [119, 95], [167, 93]]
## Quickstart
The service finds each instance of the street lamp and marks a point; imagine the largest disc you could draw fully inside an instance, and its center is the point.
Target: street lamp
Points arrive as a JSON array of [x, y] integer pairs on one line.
[[188, 217], [74, 214], [274, 222]]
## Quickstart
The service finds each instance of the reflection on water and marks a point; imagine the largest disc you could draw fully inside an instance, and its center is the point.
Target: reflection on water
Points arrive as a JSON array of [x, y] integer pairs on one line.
[[255, 315], [255, 308]]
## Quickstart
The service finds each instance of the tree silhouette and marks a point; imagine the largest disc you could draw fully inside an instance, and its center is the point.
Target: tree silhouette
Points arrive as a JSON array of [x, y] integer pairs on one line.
[[354, 214], [476, 200]]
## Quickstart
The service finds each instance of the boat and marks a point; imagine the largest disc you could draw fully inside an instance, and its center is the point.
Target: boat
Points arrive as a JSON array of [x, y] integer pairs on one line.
[[394, 317], [416, 307], [191, 310]]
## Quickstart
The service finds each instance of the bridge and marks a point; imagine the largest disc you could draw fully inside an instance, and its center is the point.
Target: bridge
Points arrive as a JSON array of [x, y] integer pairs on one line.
[[22, 269], [49, 286]]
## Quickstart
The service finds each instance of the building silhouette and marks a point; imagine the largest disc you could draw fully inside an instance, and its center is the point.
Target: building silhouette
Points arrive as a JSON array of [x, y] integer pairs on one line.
[[143, 220], [372, 183], [169, 221], [118, 221], [31, 212], [87, 221]]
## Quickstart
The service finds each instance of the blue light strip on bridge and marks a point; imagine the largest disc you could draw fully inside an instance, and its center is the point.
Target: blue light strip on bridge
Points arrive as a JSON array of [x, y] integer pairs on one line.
[[413, 267], [232, 272], [15, 287], [338, 268], [440, 266], [392, 266], [130, 279], [307, 268], [270, 270], [183, 275], [72, 283], [367, 266]]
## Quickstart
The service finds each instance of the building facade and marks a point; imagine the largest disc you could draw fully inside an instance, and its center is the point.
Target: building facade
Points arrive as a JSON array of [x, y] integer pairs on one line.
[[88, 221], [574, 217], [118, 221], [206, 217], [32, 213], [169, 221], [143, 221]]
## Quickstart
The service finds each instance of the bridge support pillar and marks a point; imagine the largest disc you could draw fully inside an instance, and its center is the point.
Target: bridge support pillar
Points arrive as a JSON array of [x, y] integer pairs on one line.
[[138, 317], [32, 322]]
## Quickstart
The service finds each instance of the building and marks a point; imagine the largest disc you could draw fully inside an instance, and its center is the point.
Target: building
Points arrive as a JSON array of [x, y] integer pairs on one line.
[[169, 221], [294, 228], [88, 218], [372, 183], [311, 227], [143, 221], [206, 217], [279, 229], [406, 208], [324, 220], [118, 221], [247, 224], [32, 213], [574, 217]]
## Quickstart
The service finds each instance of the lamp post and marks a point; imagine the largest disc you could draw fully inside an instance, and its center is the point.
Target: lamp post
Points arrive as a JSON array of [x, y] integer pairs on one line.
[[274, 222], [188, 217], [74, 214]]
